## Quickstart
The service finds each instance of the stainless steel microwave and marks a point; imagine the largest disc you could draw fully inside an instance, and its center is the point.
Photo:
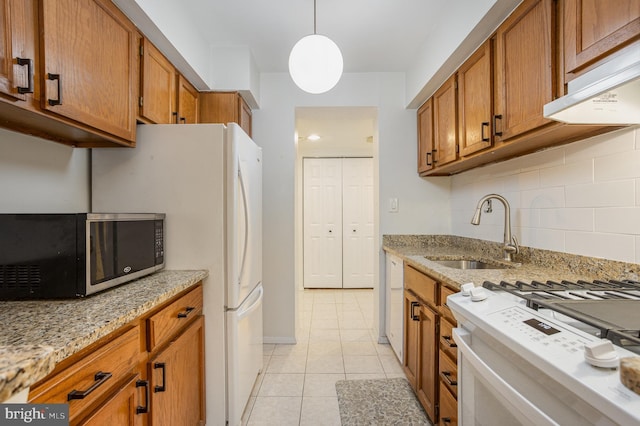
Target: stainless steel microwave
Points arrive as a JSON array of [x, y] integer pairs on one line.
[[52, 256]]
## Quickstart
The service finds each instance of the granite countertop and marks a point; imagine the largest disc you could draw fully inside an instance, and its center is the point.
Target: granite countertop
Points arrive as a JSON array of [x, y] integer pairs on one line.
[[530, 264], [36, 335]]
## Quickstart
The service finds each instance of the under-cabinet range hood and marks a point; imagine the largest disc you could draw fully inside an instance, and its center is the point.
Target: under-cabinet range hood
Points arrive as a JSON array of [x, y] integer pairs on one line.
[[608, 94]]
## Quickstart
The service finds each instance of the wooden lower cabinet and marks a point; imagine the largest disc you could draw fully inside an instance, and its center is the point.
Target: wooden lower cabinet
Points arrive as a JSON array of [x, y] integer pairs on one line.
[[426, 388], [448, 408], [123, 408], [177, 380], [411, 338]]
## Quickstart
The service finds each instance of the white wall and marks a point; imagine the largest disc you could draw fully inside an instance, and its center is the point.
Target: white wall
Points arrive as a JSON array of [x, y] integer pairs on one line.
[[39, 176], [274, 130], [581, 198]]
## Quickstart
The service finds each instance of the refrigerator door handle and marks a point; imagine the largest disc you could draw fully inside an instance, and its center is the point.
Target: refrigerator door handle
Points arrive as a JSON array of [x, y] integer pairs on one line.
[[254, 305], [243, 191]]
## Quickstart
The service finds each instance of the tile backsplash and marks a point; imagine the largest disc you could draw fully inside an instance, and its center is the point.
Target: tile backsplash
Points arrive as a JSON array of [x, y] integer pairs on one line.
[[581, 198]]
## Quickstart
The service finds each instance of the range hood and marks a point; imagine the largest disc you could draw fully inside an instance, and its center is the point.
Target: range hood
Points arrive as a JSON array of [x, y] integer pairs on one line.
[[606, 95]]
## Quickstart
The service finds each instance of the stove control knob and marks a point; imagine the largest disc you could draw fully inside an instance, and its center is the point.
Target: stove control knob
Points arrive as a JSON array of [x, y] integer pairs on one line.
[[601, 353], [465, 289], [478, 294]]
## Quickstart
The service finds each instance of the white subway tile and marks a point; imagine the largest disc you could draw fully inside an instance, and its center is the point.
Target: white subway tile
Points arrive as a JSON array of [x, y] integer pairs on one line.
[[606, 194], [625, 220], [624, 165], [528, 218], [550, 239], [545, 198], [637, 250], [608, 246], [597, 146], [543, 159], [568, 174], [637, 182], [580, 219]]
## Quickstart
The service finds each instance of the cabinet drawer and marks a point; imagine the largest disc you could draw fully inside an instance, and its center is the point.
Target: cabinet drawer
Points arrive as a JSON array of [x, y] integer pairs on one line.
[[447, 344], [444, 309], [167, 322], [448, 408], [93, 377], [423, 286], [448, 372]]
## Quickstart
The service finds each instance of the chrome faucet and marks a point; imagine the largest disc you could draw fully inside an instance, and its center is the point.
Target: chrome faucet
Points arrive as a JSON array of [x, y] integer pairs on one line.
[[510, 242]]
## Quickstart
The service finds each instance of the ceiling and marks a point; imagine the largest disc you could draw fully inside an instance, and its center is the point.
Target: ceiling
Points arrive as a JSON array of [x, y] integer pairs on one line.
[[374, 35]]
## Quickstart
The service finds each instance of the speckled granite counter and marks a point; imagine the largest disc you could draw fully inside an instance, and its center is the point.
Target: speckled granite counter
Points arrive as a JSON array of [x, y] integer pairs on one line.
[[532, 264], [36, 335]]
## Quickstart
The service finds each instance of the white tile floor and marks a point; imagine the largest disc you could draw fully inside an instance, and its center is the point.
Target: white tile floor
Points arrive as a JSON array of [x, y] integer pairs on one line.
[[335, 342]]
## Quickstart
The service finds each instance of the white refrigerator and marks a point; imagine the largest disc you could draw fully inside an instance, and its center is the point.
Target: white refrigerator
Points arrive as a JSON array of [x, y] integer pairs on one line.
[[207, 178]]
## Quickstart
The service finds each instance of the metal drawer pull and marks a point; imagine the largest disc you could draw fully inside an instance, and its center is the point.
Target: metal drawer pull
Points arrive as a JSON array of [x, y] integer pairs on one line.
[[414, 316], [54, 102], [158, 388], [446, 419], [446, 376], [429, 155], [495, 127], [99, 378], [484, 124], [140, 409], [29, 63], [449, 341], [186, 313]]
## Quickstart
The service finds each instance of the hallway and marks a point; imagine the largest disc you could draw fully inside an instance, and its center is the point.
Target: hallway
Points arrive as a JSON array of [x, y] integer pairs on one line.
[[335, 342]]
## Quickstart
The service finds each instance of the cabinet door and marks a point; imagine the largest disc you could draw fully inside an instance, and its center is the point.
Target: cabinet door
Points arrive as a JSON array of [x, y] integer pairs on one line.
[[475, 101], [89, 63], [411, 338], [525, 69], [594, 29], [18, 50], [124, 408], [158, 86], [425, 136], [244, 116], [427, 359], [177, 380], [357, 223], [187, 102], [445, 128]]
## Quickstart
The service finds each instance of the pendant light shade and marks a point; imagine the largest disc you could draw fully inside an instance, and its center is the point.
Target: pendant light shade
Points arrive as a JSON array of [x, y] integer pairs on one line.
[[315, 62]]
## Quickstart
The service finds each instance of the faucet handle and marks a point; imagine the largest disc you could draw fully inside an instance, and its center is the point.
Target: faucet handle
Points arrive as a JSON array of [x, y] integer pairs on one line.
[[515, 244]]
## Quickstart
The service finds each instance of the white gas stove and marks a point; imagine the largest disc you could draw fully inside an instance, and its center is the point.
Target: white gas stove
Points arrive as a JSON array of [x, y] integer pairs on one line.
[[520, 365]]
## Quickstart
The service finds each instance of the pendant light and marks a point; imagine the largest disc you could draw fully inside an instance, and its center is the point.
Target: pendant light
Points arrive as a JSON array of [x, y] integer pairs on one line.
[[315, 62]]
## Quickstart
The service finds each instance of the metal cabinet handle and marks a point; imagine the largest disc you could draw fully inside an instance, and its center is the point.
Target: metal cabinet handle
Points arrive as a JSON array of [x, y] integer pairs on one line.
[[184, 120], [414, 316], [429, 155], [186, 312], [495, 127], [175, 116], [54, 102], [99, 378], [433, 154], [446, 376], [29, 63], [446, 419], [158, 388], [449, 341], [143, 409], [484, 138]]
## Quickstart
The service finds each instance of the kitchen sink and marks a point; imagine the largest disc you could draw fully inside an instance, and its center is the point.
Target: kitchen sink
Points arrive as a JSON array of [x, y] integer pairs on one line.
[[470, 264]]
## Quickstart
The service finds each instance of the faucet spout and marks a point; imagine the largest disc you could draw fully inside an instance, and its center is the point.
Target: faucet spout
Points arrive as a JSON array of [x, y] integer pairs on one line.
[[510, 246]]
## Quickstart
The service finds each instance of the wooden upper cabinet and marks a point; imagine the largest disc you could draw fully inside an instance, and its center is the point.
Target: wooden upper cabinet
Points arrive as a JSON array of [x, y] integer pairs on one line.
[[475, 101], [158, 103], [18, 49], [525, 71], [425, 136], [187, 102], [225, 107], [445, 128], [88, 49], [595, 29]]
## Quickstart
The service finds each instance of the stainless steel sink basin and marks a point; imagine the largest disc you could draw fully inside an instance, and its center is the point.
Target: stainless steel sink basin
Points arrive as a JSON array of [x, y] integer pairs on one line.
[[470, 264]]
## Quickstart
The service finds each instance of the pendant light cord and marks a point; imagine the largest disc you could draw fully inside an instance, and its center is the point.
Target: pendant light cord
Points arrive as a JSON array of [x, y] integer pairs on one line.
[[314, 17]]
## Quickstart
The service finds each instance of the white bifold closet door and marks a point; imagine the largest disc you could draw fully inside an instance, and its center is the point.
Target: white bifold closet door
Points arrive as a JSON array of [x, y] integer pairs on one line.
[[338, 223]]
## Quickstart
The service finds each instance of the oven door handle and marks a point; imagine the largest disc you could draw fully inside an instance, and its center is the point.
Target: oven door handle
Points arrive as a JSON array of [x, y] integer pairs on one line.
[[508, 395]]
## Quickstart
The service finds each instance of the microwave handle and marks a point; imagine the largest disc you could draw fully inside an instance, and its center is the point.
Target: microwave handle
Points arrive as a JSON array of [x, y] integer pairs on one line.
[[509, 396]]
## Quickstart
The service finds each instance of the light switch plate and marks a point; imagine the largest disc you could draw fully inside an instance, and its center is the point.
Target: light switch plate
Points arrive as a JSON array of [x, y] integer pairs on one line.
[[393, 205]]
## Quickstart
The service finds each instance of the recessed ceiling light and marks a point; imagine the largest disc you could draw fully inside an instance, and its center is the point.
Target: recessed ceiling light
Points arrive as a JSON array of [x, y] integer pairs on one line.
[[313, 137]]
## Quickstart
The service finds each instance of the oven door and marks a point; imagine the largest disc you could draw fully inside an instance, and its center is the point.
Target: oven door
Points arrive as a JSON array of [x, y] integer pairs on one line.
[[496, 386]]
